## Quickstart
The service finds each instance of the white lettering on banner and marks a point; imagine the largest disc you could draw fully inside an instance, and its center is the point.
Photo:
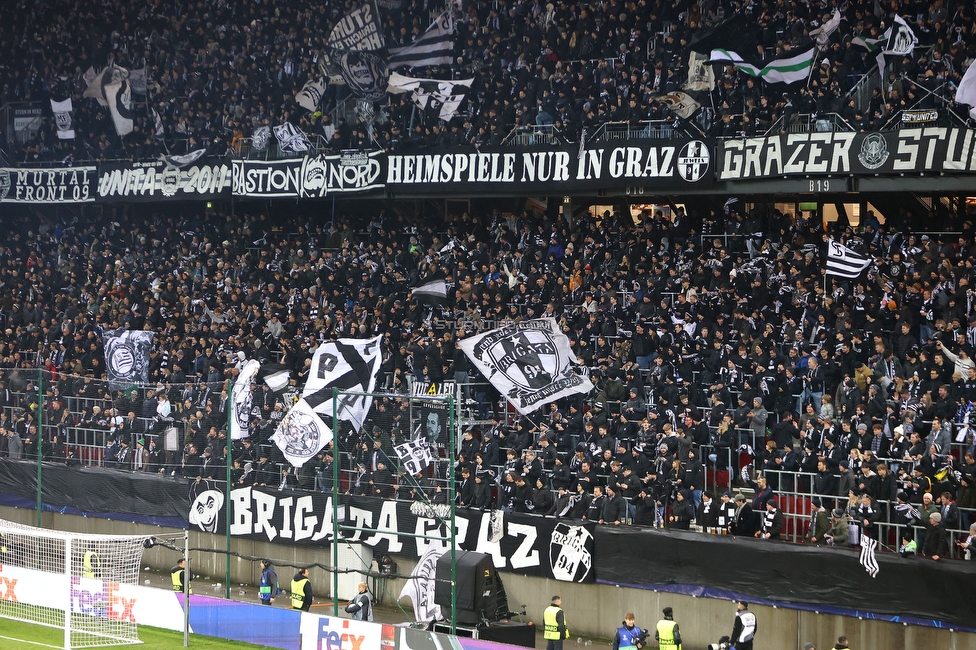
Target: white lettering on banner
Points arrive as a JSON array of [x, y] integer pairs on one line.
[[241, 500], [494, 549], [794, 153], [69, 185], [389, 526], [325, 531], [590, 166], [154, 180], [304, 524], [286, 505], [965, 160], [360, 519], [265, 511], [525, 555], [545, 166]]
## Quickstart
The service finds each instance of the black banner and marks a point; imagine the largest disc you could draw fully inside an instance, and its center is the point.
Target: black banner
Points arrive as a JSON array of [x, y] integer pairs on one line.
[[528, 545], [156, 181], [97, 491], [554, 170], [309, 177], [790, 573], [909, 150], [54, 185]]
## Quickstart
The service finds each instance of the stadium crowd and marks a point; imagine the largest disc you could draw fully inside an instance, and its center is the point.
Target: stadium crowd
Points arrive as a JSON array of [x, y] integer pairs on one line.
[[216, 71], [710, 338]]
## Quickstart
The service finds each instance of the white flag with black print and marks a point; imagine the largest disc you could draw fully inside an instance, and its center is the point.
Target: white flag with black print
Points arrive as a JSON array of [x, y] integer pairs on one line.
[[185, 159], [420, 587], [62, 118], [158, 129], [434, 47], [823, 32], [869, 561], [118, 95], [242, 399], [275, 375], [310, 95], [431, 290], [127, 357], [440, 97], [302, 434], [843, 262], [260, 138], [291, 139], [901, 39], [414, 455], [530, 363], [349, 366]]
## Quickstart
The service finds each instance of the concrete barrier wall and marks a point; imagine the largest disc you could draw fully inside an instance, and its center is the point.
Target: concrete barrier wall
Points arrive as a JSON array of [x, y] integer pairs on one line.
[[592, 610]]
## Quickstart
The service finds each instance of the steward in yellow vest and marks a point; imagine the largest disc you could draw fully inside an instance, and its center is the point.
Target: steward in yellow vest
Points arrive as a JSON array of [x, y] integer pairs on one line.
[[556, 629], [667, 635], [301, 591]]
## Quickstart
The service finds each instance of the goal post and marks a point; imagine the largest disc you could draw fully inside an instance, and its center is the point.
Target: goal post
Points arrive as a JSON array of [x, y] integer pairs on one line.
[[72, 582]]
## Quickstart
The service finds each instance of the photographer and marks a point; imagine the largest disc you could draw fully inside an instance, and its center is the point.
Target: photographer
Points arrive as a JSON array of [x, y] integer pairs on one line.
[[629, 636]]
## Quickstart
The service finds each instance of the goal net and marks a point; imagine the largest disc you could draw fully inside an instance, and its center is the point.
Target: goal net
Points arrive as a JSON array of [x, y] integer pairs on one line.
[[70, 581]]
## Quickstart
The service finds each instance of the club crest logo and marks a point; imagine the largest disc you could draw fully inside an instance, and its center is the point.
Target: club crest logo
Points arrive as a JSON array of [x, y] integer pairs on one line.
[[569, 553], [529, 359], [205, 509], [874, 151], [693, 160]]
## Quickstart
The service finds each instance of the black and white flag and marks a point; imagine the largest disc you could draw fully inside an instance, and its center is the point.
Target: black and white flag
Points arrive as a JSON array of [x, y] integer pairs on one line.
[[186, 159], [350, 366], [414, 455], [431, 290], [118, 95], [843, 262], [62, 118], [901, 39], [291, 139], [530, 363], [310, 95], [110, 88], [127, 357], [434, 47], [302, 434], [158, 129], [242, 399], [260, 138], [823, 32], [420, 588], [275, 375], [435, 96], [355, 49], [869, 546]]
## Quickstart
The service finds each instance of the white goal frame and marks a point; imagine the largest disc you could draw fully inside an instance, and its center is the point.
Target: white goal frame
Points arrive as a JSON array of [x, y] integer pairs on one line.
[[73, 581]]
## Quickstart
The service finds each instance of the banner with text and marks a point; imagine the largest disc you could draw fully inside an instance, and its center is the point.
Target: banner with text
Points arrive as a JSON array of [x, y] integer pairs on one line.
[[156, 180], [674, 164], [908, 150], [309, 177], [54, 185], [560, 549]]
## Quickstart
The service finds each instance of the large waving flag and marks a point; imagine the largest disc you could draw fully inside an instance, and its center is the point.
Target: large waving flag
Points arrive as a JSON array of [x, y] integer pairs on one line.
[[241, 400], [843, 262], [788, 68], [530, 363], [434, 47], [349, 365], [302, 434]]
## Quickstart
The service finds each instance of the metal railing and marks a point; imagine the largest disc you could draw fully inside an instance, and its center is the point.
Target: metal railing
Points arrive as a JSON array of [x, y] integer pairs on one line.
[[535, 134], [810, 123], [643, 130]]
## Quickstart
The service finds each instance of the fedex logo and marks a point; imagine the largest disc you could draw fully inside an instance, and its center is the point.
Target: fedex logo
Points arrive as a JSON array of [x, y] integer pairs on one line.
[[8, 587], [107, 602], [340, 639]]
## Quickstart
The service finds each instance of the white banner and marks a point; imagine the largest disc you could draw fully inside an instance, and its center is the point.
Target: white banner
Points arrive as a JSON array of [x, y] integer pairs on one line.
[[700, 74], [241, 400], [336, 633], [62, 118], [118, 95], [530, 363], [347, 365], [302, 434], [420, 588], [103, 599]]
